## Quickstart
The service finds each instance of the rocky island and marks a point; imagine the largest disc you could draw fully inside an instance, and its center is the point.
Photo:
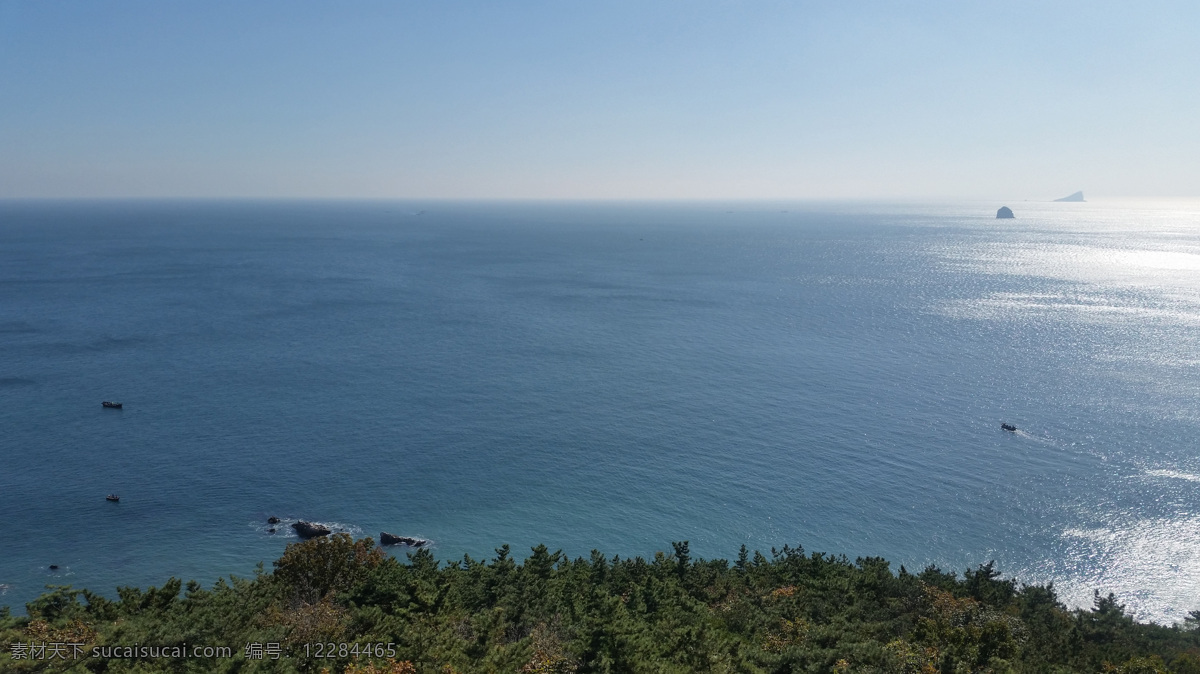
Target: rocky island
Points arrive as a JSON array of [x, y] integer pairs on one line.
[[310, 530]]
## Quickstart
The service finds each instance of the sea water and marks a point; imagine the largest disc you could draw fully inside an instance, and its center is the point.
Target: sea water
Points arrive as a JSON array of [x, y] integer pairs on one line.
[[608, 376]]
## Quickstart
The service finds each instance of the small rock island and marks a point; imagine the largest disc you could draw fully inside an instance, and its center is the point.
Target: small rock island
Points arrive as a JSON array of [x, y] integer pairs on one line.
[[1078, 196], [308, 530], [392, 539], [1003, 213]]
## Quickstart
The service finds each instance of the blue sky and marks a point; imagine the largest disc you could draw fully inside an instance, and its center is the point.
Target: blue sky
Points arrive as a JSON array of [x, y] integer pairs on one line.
[[573, 99]]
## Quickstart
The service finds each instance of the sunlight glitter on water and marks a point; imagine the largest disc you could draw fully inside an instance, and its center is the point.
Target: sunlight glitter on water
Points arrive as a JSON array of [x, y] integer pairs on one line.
[[1153, 566], [1134, 272], [1133, 265], [1070, 306], [1137, 263], [1178, 475]]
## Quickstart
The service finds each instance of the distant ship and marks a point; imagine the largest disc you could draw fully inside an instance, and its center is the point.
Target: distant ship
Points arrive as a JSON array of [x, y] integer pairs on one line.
[[1008, 427], [111, 405], [112, 497]]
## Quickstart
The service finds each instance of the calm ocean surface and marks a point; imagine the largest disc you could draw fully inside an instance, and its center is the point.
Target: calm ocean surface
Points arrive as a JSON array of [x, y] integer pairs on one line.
[[604, 376]]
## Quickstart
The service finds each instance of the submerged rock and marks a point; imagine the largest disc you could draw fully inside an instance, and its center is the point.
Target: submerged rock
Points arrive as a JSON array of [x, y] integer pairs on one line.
[[1004, 212], [309, 530], [272, 520], [391, 539]]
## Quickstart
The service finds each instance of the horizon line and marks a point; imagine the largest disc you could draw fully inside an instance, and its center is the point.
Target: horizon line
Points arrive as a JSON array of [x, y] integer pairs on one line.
[[526, 199]]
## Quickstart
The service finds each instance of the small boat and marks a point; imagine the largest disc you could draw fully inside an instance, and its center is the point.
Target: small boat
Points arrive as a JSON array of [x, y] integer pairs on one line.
[[111, 405], [1008, 427], [112, 497]]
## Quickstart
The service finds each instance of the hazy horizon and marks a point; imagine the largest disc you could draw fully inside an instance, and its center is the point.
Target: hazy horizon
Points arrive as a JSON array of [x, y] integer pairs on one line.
[[724, 101]]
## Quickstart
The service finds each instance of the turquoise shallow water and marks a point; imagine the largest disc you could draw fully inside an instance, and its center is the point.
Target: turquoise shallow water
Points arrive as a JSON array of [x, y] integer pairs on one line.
[[604, 376]]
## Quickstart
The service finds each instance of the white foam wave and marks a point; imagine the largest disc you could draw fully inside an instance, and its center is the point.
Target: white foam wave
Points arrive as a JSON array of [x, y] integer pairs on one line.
[[1035, 438]]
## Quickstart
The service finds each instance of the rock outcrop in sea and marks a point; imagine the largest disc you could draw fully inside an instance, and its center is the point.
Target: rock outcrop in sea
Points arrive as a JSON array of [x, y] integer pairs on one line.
[[1078, 196], [391, 539], [1004, 212], [309, 530]]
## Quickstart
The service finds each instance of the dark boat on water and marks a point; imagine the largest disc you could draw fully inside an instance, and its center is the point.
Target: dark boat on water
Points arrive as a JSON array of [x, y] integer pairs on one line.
[[111, 405], [1008, 427], [112, 497]]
